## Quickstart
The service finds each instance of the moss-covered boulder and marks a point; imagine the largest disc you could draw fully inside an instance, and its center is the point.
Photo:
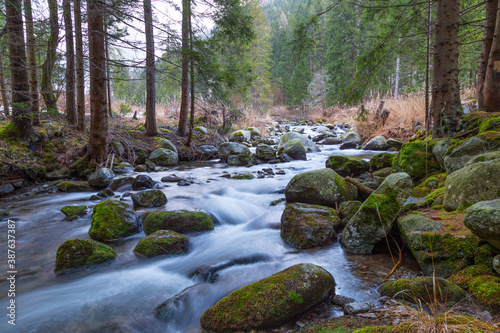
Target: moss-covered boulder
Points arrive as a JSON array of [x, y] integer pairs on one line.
[[347, 165], [101, 178], [241, 136], [460, 153], [119, 183], [443, 247], [74, 212], [474, 183], [265, 152], [347, 210], [486, 289], [483, 219], [142, 182], [270, 302], [352, 137], [394, 144], [181, 222], [305, 225], [382, 173], [376, 216], [75, 253], [118, 148], [440, 149], [122, 167], [149, 199], [164, 157], [382, 160], [9, 131], [417, 160], [240, 160], [162, 242], [232, 148], [377, 143], [413, 290], [294, 149], [308, 144], [112, 220], [429, 184], [255, 133], [167, 144], [322, 187], [68, 186]]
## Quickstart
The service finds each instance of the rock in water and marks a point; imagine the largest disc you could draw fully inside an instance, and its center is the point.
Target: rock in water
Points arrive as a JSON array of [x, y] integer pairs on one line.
[[142, 182], [377, 143], [101, 178], [149, 198], [181, 222], [162, 242], [322, 187], [374, 219], [308, 144], [265, 152], [232, 148], [73, 212], [295, 149], [112, 220], [270, 302], [483, 219], [78, 252], [304, 225]]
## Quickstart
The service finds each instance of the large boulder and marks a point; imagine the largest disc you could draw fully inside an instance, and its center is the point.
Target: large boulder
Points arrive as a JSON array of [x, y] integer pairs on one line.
[[241, 136], [305, 225], [381, 161], [347, 165], [421, 289], [294, 149], [352, 137], [162, 242], [68, 186], [347, 210], [122, 167], [164, 157], [75, 253], [149, 198], [254, 132], [308, 144], [232, 148], [459, 154], [207, 152], [240, 160], [265, 152], [483, 219], [270, 302], [101, 178], [181, 222], [112, 220], [376, 216], [167, 144], [440, 149], [439, 247], [377, 143], [322, 187], [474, 183], [142, 182], [416, 159]]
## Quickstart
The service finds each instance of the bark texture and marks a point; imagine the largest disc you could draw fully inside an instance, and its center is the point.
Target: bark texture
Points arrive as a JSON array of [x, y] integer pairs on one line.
[[150, 71], [30, 49], [80, 78], [48, 67], [183, 115], [5, 100], [70, 64], [491, 90]]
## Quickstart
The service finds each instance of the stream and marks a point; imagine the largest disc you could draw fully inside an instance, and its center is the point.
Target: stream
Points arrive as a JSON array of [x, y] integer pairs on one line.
[[121, 296]]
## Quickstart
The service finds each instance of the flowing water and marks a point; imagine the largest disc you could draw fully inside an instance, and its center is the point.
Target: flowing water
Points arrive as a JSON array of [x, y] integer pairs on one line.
[[121, 296]]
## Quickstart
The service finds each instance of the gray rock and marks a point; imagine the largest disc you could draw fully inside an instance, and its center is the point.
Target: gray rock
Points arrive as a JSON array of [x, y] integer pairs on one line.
[[167, 144], [240, 160], [347, 210], [348, 145], [440, 149], [265, 152], [457, 156], [392, 143], [141, 168], [118, 148], [308, 144], [232, 148], [254, 132], [142, 182], [171, 179], [201, 129], [377, 214], [377, 143], [164, 157], [355, 308], [320, 187], [241, 136], [483, 219], [149, 198], [150, 165], [295, 149], [208, 152], [347, 165], [6, 189], [101, 178], [352, 136], [474, 183], [496, 264], [494, 155], [331, 141], [123, 167]]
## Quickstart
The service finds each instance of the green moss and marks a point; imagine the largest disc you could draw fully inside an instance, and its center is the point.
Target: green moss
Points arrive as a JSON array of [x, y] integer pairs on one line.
[[73, 212], [112, 220], [238, 133], [466, 275], [384, 204], [162, 242], [297, 298], [429, 184], [247, 176], [77, 253], [417, 160], [382, 160], [82, 167], [347, 165], [373, 329], [490, 124], [486, 289], [68, 186], [182, 221], [9, 131]]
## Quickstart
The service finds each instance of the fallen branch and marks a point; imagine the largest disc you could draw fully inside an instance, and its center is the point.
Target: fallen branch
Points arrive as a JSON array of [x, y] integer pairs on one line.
[[363, 188]]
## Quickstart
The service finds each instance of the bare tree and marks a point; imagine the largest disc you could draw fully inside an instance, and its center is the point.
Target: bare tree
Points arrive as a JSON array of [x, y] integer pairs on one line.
[[70, 64], [98, 139], [21, 116], [446, 104], [30, 48], [80, 79], [150, 71]]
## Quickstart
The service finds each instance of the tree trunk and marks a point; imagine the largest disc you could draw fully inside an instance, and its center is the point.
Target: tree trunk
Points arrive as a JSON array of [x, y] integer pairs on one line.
[[21, 116], [5, 100], [191, 118], [30, 48], [150, 71], [98, 139], [70, 64], [428, 66], [46, 85], [396, 81], [108, 74], [183, 115], [80, 75], [489, 31], [491, 90], [446, 104]]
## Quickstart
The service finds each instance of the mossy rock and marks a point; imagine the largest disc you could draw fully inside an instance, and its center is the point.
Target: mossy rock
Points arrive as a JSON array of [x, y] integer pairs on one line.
[[9, 131], [112, 220], [457, 156], [308, 144], [167, 144], [305, 225], [417, 160], [464, 277], [270, 302], [149, 199], [162, 242], [382, 173], [265, 152], [422, 288], [347, 165], [73, 212], [429, 184], [322, 187], [382, 160], [486, 289], [243, 176], [347, 210], [483, 219], [492, 124], [232, 148], [75, 253], [181, 222], [294, 148], [164, 157], [240, 160], [68, 186]]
